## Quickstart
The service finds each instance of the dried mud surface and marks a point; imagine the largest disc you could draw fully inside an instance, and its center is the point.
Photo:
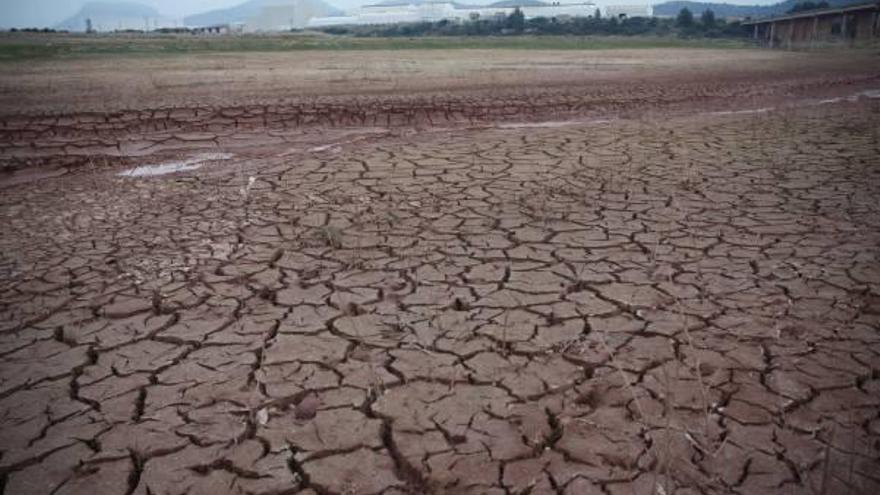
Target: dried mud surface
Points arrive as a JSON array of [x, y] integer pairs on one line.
[[684, 302]]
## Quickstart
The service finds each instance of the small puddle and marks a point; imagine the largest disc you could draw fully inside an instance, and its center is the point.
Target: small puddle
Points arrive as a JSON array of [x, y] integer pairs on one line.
[[324, 147], [350, 138], [868, 93], [743, 112], [550, 124], [193, 163]]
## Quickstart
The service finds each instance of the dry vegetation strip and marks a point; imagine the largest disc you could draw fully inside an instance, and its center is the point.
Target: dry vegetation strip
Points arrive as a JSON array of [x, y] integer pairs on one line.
[[60, 46]]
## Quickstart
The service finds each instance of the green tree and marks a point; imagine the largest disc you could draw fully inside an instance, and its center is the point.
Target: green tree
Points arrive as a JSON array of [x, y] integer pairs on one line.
[[805, 6], [708, 19], [516, 21], [685, 19]]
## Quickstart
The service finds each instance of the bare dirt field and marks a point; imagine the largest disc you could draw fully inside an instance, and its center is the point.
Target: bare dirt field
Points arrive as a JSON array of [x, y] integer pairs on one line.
[[441, 272]]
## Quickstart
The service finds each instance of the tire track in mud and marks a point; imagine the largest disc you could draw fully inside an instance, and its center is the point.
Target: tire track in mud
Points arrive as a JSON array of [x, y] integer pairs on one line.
[[74, 140]]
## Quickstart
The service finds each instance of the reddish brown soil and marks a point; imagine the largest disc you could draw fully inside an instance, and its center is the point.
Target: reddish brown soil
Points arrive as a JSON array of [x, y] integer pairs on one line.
[[442, 294]]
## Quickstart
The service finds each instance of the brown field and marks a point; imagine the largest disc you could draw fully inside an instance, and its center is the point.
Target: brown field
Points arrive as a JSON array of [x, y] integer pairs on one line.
[[145, 82], [441, 272]]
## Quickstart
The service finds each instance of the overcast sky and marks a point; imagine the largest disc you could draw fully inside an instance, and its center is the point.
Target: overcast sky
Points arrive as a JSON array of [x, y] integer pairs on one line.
[[41, 13]]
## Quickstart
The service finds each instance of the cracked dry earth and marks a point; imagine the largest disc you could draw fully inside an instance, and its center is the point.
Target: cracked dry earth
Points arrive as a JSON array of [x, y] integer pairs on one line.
[[665, 305]]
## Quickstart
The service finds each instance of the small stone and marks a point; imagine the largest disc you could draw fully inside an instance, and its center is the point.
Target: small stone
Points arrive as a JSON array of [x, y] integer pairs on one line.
[[307, 408], [263, 416]]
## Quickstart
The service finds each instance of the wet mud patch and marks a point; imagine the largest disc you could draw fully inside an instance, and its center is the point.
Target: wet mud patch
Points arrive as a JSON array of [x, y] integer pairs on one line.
[[189, 164]]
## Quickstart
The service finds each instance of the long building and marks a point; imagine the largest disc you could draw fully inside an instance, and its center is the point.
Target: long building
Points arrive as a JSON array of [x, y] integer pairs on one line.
[[850, 24], [402, 11]]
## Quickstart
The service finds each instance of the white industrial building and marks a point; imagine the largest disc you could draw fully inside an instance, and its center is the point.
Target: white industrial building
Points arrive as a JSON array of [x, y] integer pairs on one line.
[[627, 11], [401, 11]]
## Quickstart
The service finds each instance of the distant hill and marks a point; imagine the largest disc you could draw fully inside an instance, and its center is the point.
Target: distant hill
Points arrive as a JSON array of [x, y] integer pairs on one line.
[[110, 16], [518, 3], [672, 9], [257, 9], [501, 3]]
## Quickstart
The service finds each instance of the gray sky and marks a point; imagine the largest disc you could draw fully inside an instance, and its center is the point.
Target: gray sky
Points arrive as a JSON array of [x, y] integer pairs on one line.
[[41, 13]]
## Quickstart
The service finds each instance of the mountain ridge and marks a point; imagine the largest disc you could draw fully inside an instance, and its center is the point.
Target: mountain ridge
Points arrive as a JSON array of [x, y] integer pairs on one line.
[[109, 16], [248, 9]]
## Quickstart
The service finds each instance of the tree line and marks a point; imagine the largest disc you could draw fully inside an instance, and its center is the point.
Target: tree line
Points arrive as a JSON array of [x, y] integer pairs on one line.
[[684, 25], [36, 30], [807, 6]]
